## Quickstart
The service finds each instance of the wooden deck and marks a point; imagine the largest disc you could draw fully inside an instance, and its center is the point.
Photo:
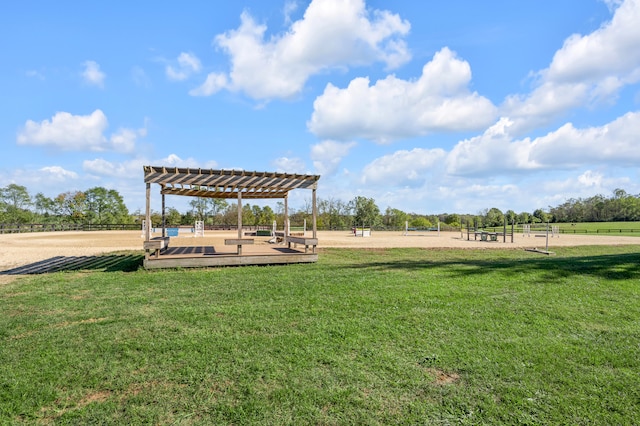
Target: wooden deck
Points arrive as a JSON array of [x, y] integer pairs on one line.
[[225, 255]]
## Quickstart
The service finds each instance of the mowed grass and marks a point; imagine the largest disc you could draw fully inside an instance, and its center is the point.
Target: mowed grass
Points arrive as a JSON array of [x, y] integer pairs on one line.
[[631, 229], [397, 336]]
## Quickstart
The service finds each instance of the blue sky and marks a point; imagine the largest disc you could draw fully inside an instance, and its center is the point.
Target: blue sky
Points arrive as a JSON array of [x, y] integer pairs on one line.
[[428, 107]]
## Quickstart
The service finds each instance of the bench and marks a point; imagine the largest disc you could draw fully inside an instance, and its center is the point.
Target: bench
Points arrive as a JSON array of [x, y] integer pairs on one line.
[[156, 244], [313, 242], [239, 242]]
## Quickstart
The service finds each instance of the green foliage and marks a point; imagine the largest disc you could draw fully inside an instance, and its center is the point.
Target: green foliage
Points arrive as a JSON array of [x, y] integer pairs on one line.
[[366, 212], [402, 336], [420, 222]]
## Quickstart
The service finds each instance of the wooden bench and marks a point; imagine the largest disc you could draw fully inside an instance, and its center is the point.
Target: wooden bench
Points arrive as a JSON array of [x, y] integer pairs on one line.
[[239, 242], [313, 242], [156, 244]]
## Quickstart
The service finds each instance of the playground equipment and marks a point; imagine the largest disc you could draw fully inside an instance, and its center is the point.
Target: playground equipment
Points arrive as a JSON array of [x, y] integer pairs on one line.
[[407, 230]]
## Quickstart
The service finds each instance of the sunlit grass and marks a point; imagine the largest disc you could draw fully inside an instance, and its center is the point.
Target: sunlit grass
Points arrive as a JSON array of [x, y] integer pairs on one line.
[[363, 336]]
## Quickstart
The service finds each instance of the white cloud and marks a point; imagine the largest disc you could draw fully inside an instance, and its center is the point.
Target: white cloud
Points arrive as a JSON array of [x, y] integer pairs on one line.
[[327, 155], [403, 168], [92, 74], [332, 33], [394, 108], [188, 64], [66, 131], [495, 151], [57, 174], [289, 165], [587, 70], [70, 132], [132, 169]]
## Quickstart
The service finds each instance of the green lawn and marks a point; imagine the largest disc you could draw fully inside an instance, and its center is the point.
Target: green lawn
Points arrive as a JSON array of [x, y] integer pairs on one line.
[[590, 228], [404, 336]]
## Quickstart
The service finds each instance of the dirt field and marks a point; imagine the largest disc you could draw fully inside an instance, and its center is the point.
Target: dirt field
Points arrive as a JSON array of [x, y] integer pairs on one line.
[[21, 249]]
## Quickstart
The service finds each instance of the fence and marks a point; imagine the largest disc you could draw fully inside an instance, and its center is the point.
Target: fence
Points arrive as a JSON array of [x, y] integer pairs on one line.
[[14, 228]]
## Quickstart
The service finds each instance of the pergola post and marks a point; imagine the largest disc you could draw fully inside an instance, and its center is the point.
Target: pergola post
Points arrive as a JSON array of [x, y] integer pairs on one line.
[[314, 209], [164, 217], [239, 220], [286, 217], [147, 233]]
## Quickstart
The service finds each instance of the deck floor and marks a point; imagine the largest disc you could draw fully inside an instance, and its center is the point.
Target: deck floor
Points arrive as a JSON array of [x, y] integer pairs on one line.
[[204, 256]]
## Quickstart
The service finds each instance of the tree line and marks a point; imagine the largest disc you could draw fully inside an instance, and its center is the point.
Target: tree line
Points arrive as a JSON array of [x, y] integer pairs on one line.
[[99, 205]]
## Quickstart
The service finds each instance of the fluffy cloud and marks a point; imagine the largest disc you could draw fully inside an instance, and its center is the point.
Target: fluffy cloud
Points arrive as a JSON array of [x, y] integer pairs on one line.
[[188, 64], [587, 69], [327, 155], [289, 165], [332, 33], [92, 74], [394, 108], [403, 168], [57, 174], [495, 151], [70, 132], [132, 169]]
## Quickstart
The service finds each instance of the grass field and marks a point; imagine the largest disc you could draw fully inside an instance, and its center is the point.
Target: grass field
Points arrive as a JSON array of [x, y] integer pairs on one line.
[[394, 336], [631, 229]]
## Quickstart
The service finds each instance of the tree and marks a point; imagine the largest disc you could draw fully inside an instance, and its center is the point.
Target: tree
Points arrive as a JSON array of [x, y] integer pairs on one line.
[[172, 217], [216, 207], [105, 206], [420, 222], [72, 205], [540, 216], [452, 220], [394, 218], [366, 212], [14, 203], [494, 217]]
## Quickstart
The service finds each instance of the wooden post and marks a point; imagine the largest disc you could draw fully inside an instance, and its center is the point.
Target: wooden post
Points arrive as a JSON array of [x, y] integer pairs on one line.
[[314, 213], [239, 220], [164, 217], [147, 235], [504, 233], [286, 220]]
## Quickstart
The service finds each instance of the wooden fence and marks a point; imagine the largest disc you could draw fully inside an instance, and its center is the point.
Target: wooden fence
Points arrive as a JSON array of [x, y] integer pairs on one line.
[[14, 228]]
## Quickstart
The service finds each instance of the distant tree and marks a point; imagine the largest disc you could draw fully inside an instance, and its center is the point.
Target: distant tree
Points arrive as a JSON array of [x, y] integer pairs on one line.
[[71, 206], [541, 216], [267, 216], [14, 204], [420, 222], [394, 218], [199, 207], [452, 220], [216, 207], [105, 206], [524, 218], [366, 212], [172, 217], [494, 217], [511, 216]]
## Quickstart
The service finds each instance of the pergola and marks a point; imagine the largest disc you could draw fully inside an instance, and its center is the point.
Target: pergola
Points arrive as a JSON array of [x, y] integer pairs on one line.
[[227, 184]]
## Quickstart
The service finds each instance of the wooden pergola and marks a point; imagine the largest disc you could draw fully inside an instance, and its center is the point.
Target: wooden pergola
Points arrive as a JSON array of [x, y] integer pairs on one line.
[[228, 184]]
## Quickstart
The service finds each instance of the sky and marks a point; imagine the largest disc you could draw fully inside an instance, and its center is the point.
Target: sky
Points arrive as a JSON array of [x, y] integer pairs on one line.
[[425, 106]]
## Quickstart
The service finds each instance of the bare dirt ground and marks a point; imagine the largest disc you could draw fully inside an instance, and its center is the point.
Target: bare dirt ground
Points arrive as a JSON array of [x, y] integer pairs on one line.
[[22, 249]]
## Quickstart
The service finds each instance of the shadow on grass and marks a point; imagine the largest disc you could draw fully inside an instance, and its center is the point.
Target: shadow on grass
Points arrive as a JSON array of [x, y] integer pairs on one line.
[[106, 263], [611, 266]]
